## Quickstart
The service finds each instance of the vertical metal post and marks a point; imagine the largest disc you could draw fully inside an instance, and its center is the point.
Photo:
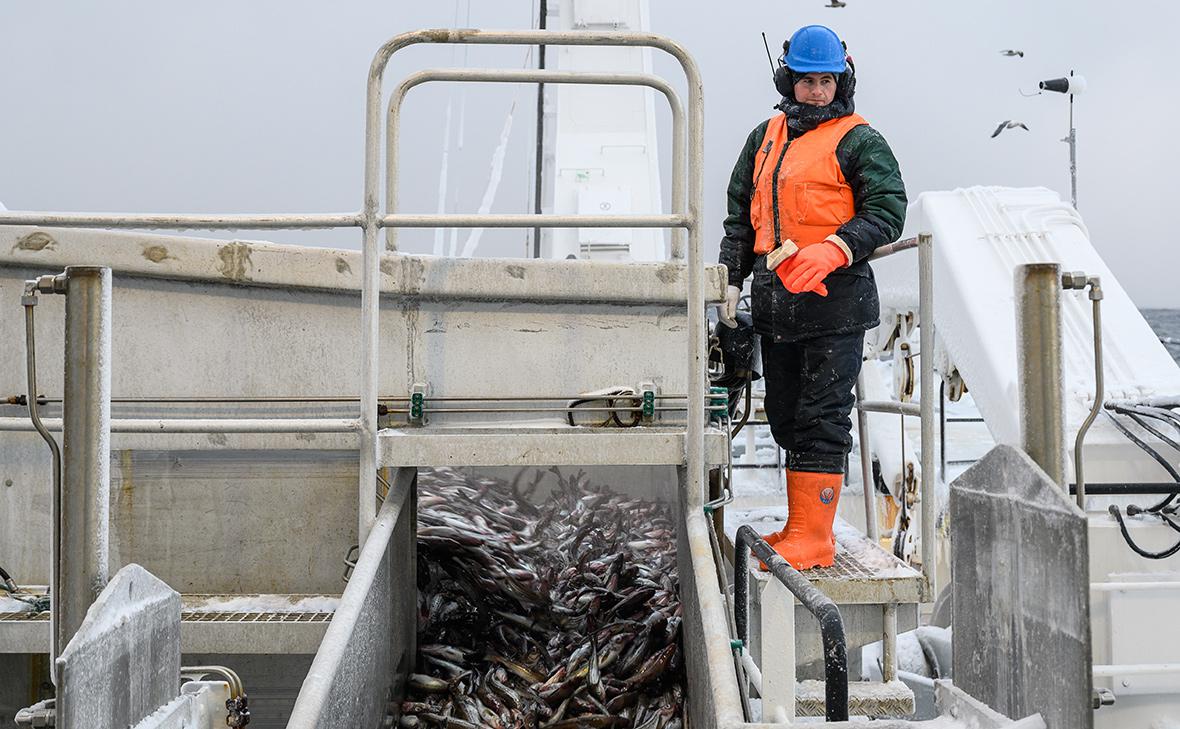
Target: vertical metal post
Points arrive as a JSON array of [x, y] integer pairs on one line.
[[889, 642], [539, 162], [696, 282], [942, 431], [866, 464], [86, 448], [926, 383], [1039, 363], [371, 297], [1073, 155]]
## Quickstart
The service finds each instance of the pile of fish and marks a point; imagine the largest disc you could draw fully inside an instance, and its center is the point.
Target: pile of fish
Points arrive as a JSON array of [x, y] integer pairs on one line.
[[558, 615]]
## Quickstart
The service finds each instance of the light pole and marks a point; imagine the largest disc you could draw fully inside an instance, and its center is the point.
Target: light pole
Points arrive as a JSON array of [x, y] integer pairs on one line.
[[1071, 85]]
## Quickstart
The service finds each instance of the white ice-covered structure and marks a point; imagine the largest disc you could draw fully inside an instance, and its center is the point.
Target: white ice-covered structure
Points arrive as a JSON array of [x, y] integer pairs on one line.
[[981, 234]]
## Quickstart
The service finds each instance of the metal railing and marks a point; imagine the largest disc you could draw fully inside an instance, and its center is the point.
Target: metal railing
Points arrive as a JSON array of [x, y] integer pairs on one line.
[[831, 625], [923, 410], [687, 202]]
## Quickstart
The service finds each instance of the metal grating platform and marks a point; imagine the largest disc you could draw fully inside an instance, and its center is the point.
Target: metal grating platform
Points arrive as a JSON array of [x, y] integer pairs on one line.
[[893, 699], [279, 626], [204, 617], [864, 573], [243, 617]]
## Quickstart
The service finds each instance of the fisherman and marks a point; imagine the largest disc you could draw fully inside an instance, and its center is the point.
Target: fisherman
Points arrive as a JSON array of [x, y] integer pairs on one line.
[[818, 177]]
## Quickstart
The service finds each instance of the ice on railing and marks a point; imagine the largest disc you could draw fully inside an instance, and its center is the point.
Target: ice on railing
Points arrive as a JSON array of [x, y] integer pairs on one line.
[[12, 605], [266, 604]]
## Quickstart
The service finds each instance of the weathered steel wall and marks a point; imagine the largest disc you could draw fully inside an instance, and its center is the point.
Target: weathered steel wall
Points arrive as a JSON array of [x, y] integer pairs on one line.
[[124, 662], [1020, 561], [370, 646], [194, 317]]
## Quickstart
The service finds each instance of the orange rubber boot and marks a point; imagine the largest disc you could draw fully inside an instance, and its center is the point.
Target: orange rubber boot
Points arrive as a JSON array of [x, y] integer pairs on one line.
[[781, 534], [811, 504]]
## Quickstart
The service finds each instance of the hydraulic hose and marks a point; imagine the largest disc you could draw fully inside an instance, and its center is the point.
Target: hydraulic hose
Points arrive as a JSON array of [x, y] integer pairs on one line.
[[1118, 516], [1155, 455], [1099, 394], [29, 301]]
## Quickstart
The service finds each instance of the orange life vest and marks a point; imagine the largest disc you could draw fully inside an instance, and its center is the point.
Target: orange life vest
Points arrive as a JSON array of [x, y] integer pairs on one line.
[[814, 199]]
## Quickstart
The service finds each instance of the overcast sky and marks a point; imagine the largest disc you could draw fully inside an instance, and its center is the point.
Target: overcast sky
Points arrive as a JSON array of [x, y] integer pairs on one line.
[[257, 106]]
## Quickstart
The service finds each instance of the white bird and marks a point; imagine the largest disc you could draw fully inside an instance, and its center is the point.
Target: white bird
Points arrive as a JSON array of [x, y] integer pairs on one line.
[[1010, 53], [1008, 125], [835, 4]]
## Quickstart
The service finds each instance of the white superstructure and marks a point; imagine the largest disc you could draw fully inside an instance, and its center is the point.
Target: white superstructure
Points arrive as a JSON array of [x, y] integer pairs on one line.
[[601, 150]]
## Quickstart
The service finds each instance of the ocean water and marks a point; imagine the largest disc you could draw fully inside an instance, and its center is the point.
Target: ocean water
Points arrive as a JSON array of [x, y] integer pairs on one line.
[[1166, 323]]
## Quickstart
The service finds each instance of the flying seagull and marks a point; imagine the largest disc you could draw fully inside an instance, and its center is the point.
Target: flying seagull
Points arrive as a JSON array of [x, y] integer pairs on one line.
[[1008, 125], [1010, 53], [835, 4]]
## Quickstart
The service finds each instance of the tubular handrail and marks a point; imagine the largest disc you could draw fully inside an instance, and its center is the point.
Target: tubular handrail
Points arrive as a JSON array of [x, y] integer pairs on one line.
[[539, 76], [831, 625], [373, 221], [924, 410]]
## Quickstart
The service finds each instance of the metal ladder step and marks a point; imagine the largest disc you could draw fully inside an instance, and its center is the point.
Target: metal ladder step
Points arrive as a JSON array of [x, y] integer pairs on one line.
[[865, 698]]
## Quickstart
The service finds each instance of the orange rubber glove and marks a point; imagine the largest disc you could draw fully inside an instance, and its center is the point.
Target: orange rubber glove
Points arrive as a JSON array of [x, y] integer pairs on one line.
[[807, 269]]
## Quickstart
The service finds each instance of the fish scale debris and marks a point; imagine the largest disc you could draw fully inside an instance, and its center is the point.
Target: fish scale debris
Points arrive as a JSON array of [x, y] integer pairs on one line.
[[556, 615]]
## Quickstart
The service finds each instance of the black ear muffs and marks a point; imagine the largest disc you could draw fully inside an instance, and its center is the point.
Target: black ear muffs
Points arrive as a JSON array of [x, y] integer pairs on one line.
[[784, 82]]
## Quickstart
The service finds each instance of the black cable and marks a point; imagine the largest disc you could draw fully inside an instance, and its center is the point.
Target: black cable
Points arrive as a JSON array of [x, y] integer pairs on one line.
[[1155, 456], [1118, 516], [1169, 522], [1163, 414], [1138, 416]]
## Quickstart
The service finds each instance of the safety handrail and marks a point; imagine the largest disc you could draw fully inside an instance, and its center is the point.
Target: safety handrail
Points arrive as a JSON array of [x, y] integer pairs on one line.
[[373, 221], [538, 76], [924, 410], [831, 625]]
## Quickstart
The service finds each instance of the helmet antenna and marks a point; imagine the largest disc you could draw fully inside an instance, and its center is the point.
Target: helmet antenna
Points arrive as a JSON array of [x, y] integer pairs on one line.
[[768, 56]]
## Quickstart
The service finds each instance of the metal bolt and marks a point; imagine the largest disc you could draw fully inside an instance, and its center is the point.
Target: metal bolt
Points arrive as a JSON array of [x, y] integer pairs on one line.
[[8, 482], [1073, 280]]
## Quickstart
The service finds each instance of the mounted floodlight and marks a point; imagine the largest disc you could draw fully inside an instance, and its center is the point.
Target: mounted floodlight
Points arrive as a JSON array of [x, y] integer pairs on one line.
[[1072, 84], [1067, 85]]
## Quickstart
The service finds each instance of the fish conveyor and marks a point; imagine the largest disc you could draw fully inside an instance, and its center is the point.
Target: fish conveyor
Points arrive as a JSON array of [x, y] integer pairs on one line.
[[228, 380]]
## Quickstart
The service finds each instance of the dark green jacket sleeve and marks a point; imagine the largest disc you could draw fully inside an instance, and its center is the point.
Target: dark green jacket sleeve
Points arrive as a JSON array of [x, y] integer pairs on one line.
[[878, 192], [737, 246]]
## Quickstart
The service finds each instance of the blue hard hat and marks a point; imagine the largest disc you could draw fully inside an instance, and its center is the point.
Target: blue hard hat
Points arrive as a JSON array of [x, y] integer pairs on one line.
[[815, 49]]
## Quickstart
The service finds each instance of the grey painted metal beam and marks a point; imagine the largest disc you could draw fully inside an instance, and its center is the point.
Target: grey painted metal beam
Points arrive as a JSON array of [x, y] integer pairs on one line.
[[542, 447], [269, 265]]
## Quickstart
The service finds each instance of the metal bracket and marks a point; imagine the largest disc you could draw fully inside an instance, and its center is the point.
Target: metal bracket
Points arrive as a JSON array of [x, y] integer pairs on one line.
[[1103, 697], [647, 401], [417, 414], [711, 506]]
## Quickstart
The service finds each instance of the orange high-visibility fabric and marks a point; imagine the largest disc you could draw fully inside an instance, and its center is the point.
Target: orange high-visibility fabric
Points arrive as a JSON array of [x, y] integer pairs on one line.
[[814, 199]]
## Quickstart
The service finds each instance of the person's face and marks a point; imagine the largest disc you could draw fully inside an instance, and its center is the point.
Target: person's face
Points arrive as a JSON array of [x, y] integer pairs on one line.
[[816, 89]]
